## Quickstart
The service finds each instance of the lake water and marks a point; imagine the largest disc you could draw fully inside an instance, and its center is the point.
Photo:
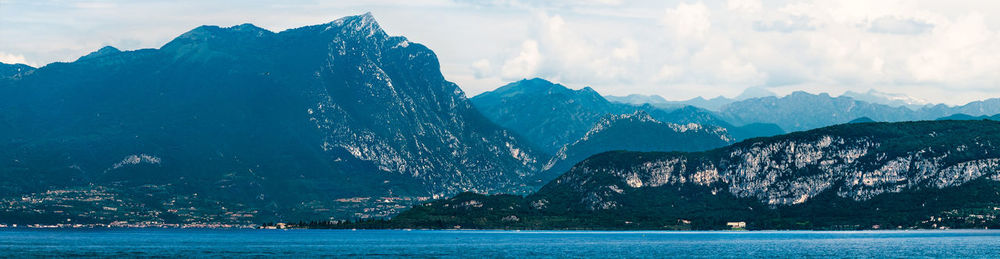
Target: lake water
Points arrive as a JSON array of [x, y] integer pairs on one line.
[[19, 243]]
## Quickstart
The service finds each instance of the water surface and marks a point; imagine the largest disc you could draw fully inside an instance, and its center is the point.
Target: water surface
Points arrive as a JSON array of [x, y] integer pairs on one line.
[[510, 244]]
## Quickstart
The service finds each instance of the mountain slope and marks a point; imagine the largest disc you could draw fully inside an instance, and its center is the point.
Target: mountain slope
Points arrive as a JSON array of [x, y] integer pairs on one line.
[[893, 100], [636, 132], [14, 70], [321, 121], [551, 115], [850, 176], [547, 114]]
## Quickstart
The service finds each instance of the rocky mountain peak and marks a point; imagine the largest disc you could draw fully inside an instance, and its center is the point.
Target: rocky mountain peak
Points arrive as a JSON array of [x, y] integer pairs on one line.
[[364, 24]]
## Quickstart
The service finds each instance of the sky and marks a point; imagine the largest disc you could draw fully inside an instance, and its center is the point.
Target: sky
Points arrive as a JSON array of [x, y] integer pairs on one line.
[[938, 51]]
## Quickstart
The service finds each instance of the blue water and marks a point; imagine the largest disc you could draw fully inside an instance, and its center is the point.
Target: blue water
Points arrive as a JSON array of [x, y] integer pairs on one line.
[[491, 244]]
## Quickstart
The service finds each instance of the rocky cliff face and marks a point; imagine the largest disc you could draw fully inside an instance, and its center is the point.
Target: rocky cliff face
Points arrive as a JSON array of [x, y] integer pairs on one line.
[[856, 162], [383, 100]]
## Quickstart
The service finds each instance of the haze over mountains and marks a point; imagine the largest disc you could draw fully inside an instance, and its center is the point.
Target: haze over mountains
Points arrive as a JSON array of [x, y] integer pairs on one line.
[[716, 104], [802, 111], [713, 104]]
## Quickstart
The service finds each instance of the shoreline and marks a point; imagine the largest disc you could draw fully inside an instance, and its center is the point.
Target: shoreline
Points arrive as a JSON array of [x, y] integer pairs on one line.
[[259, 227]]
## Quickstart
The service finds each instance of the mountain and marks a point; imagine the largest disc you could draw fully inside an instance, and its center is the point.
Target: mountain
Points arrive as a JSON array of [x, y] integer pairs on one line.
[[966, 117], [804, 111], [927, 174], [636, 132], [862, 120], [241, 124], [754, 92], [549, 115], [977, 108], [890, 99], [714, 104], [14, 70], [637, 99], [552, 115]]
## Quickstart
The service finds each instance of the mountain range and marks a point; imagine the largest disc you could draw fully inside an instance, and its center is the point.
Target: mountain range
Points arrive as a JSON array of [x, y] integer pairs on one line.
[[713, 104], [552, 115], [966, 117], [803, 111]]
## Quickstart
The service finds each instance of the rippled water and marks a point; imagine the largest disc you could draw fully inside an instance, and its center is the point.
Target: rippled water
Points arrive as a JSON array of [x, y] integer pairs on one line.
[[398, 243]]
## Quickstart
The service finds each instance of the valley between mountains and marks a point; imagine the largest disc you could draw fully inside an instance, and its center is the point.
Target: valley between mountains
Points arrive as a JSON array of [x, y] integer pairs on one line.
[[345, 126]]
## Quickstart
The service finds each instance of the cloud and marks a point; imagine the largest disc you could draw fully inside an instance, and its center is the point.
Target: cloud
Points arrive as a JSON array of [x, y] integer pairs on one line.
[[564, 51], [790, 24], [524, 64], [482, 68], [8, 58], [688, 21], [744, 6], [895, 25], [629, 50]]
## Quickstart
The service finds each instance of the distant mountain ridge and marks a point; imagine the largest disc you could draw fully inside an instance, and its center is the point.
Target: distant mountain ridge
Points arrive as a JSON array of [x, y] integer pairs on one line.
[[892, 100], [713, 104], [966, 117], [636, 132], [552, 115], [546, 114], [804, 111]]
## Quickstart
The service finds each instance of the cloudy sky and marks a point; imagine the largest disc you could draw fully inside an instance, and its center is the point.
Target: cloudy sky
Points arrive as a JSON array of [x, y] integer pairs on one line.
[[940, 51]]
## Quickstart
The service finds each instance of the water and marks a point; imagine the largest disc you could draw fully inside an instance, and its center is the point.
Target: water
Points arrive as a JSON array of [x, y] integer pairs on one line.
[[19, 243]]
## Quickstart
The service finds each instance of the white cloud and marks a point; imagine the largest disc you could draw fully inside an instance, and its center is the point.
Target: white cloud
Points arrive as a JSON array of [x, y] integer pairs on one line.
[[524, 64], [688, 21], [896, 25], [13, 59], [744, 6], [482, 68], [786, 24], [628, 51], [668, 73]]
